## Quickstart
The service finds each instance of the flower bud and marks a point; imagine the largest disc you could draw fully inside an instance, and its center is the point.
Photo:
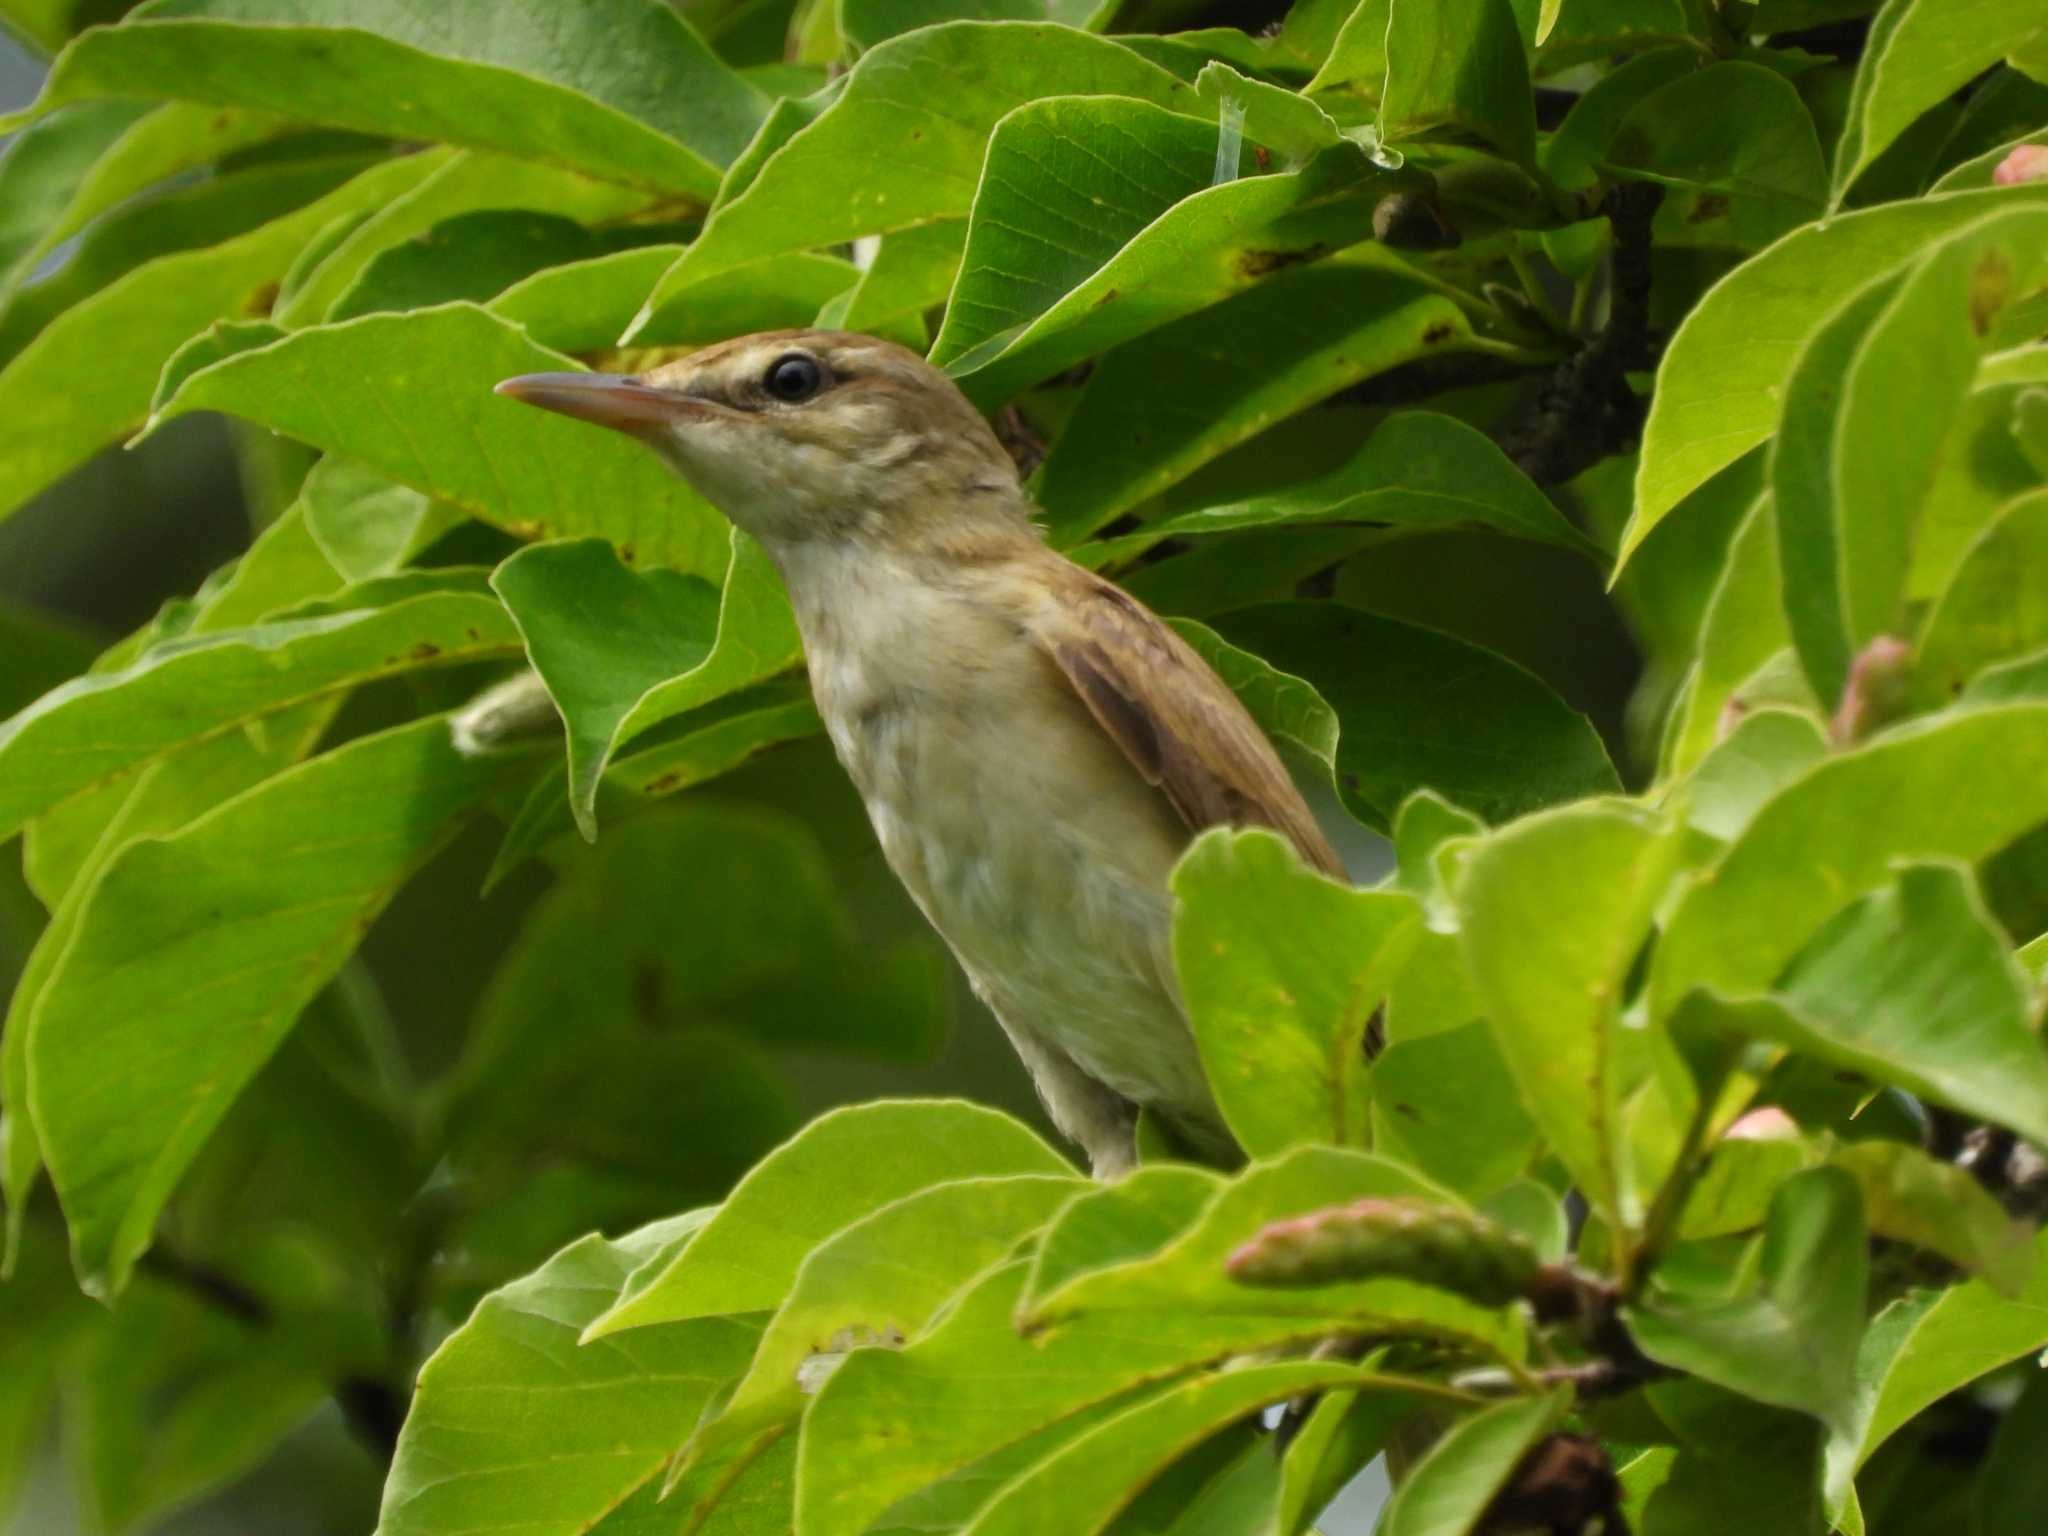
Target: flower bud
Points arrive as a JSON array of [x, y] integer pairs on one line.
[[2026, 162], [1404, 1239]]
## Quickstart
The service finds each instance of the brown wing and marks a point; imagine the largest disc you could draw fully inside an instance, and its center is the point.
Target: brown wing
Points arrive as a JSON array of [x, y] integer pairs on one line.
[[1174, 718]]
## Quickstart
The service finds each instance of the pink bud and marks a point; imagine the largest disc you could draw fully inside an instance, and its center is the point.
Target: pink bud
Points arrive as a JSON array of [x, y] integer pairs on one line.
[[2027, 162], [1769, 1123]]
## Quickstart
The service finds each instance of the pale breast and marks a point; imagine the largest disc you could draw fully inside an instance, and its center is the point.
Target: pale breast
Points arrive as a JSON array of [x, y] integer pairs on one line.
[[1025, 836]]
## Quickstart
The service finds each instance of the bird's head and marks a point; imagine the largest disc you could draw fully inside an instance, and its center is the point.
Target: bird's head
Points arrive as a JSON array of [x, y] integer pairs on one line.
[[805, 435]]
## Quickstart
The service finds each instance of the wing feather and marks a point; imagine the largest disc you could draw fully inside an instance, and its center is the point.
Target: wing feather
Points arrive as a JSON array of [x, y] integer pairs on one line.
[[1175, 720]]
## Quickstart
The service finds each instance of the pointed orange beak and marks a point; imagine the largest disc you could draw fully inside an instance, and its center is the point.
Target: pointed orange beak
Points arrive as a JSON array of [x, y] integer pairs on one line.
[[609, 399]]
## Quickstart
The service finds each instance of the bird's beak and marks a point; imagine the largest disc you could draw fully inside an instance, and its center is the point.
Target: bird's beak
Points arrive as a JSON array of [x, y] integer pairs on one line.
[[609, 399]]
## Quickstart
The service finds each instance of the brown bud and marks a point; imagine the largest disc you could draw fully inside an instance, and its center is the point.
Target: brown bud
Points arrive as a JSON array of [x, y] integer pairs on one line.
[[1408, 221]]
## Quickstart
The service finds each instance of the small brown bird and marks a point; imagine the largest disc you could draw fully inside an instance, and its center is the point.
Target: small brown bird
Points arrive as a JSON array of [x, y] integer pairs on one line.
[[1034, 747]]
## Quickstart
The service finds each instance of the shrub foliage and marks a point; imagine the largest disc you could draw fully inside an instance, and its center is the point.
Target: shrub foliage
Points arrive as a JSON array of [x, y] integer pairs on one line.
[[1605, 441]]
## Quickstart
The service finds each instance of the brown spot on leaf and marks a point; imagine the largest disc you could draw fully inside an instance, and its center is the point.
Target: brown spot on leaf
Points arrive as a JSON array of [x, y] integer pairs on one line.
[[1990, 289], [1257, 264], [1108, 294], [626, 553], [426, 650], [665, 782], [1711, 206], [261, 301], [1441, 332]]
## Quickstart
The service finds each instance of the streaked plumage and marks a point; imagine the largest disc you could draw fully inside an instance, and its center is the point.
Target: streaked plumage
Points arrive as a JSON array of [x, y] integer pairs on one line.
[[1034, 747]]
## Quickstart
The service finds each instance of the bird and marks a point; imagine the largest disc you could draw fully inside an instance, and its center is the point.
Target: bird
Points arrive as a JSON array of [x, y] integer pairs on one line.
[[1035, 748]]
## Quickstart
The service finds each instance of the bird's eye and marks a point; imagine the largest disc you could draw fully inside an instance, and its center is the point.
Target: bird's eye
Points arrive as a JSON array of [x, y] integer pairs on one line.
[[794, 376]]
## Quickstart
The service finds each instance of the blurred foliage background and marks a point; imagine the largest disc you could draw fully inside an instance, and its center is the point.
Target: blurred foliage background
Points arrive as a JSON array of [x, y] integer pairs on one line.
[[1550, 616]]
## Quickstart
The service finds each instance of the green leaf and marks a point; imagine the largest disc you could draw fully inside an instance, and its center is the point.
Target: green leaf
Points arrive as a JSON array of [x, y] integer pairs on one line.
[[208, 211], [200, 990], [877, 1281], [470, 256], [1602, 29], [622, 652], [66, 849], [1808, 508], [1836, 834], [601, 636], [284, 572], [1423, 825], [866, 23], [1447, 1104], [159, 143], [841, 1167], [1100, 1473], [108, 723], [701, 746], [1429, 713], [1457, 65], [88, 375], [1765, 752], [1447, 1492], [1915, 985], [1282, 120], [1991, 611], [539, 475], [1722, 377], [619, 88], [1286, 708], [624, 1021], [217, 343], [1281, 970], [466, 183], [1554, 993], [40, 173], [1052, 208], [1116, 1223], [365, 525], [45, 652], [1916, 1199], [585, 306], [1794, 1343], [1732, 1192], [45, 1317], [1418, 469], [1431, 68], [896, 149], [2012, 1481], [1918, 52], [484, 1445], [1187, 1275], [1211, 244], [1736, 1462], [1342, 1433], [1924, 1346], [756, 638], [889, 1423], [1737, 138], [1887, 451], [39, 24], [1571, 154], [913, 272], [1160, 407], [174, 1396]]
